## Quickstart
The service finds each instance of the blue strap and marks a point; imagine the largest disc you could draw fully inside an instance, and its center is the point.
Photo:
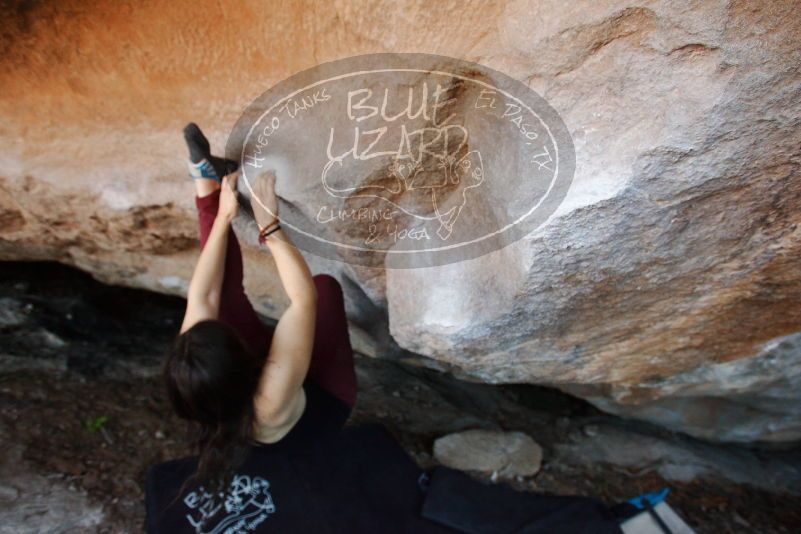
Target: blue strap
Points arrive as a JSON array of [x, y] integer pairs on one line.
[[653, 498], [206, 171]]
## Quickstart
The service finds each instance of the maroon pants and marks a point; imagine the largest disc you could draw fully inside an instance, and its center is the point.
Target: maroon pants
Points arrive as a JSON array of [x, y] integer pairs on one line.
[[332, 356]]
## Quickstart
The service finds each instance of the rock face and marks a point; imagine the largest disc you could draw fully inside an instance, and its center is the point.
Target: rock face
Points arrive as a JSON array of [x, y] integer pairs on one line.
[[664, 288], [509, 454]]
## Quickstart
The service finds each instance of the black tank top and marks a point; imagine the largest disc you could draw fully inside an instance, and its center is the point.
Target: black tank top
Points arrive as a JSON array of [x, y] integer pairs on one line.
[[323, 415], [320, 477]]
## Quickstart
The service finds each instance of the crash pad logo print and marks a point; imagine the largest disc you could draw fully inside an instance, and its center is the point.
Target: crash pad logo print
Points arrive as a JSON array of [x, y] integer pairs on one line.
[[405, 160], [241, 509]]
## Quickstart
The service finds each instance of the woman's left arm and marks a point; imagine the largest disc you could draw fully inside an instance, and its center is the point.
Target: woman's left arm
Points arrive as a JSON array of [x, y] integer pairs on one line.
[[203, 295]]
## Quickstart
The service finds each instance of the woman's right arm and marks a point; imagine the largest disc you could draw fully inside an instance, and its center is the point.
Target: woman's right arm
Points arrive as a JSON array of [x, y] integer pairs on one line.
[[290, 351]]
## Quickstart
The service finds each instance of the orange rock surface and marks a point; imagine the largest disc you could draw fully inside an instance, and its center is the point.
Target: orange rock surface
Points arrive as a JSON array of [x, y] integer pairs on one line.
[[667, 285]]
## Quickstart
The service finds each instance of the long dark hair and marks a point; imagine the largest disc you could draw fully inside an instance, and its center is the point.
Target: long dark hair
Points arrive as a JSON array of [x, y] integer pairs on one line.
[[211, 377]]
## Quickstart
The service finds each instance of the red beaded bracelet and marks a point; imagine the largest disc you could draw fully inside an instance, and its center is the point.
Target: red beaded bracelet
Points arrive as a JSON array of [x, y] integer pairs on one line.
[[263, 237], [263, 230]]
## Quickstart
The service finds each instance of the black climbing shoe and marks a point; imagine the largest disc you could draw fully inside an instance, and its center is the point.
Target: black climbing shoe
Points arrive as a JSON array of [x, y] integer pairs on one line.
[[201, 163]]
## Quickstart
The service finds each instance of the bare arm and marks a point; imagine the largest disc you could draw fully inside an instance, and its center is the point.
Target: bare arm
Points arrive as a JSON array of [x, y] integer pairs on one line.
[[290, 351], [203, 295]]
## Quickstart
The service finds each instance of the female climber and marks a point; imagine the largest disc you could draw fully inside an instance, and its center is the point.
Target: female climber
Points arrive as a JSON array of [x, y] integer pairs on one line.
[[242, 384]]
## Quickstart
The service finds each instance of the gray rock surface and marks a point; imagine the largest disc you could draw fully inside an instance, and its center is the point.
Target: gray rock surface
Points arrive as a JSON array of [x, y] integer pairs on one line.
[[33, 503], [509, 454], [678, 460], [52, 455]]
